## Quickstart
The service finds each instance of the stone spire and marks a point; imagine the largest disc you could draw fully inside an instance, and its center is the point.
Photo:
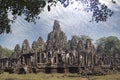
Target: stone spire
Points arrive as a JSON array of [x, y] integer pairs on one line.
[[34, 45], [74, 42], [17, 52], [17, 48], [25, 47], [57, 38], [56, 26], [40, 44]]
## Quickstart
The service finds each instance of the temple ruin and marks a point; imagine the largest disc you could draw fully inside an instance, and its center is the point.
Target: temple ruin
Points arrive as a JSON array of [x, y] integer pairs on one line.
[[58, 55]]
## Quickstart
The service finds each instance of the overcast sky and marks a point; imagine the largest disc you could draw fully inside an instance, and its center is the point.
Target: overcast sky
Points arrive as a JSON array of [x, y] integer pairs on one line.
[[72, 21]]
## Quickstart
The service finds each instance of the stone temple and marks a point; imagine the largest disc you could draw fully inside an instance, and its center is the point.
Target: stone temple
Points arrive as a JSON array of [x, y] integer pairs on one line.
[[60, 55]]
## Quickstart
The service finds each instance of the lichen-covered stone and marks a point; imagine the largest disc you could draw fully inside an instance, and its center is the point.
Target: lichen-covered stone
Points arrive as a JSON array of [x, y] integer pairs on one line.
[[34, 47], [40, 44], [17, 52], [4, 54], [74, 42], [25, 47], [57, 38]]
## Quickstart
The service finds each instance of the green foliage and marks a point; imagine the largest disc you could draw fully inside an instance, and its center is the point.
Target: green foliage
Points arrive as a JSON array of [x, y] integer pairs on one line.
[[48, 8], [109, 45], [0, 49], [56, 76], [83, 38], [76, 37], [32, 8], [4, 22], [9, 52]]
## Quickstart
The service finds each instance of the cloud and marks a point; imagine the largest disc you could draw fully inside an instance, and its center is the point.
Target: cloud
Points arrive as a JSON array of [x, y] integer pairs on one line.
[[73, 22]]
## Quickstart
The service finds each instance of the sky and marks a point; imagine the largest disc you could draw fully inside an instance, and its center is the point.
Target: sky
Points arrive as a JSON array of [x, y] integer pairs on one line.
[[72, 22]]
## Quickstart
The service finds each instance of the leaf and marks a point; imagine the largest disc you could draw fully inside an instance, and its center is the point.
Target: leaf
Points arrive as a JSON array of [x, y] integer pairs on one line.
[[43, 3], [49, 1], [25, 0], [48, 7]]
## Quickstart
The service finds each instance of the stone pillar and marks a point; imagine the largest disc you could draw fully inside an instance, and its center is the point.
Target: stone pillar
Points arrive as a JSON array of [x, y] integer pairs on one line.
[[35, 57], [29, 61], [1, 64], [22, 60], [57, 59], [41, 57], [85, 59], [6, 63]]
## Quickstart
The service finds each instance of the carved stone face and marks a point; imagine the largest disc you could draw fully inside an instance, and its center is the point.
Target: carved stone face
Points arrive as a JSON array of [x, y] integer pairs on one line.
[[40, 43], [56, 26], [25, 45], [88, 42], [80, 45], [57, 38], [17, 48], [74, 42], [34, 45]]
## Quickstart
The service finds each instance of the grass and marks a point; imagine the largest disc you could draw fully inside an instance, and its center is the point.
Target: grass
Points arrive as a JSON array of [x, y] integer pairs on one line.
[[55, 76], [39, 76], [106, 77]]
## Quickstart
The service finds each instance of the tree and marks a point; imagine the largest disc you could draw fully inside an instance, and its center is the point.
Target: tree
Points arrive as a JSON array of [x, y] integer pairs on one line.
[[109, 45], [9, 52], [32, 8], [0, 49], [83, 38]]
